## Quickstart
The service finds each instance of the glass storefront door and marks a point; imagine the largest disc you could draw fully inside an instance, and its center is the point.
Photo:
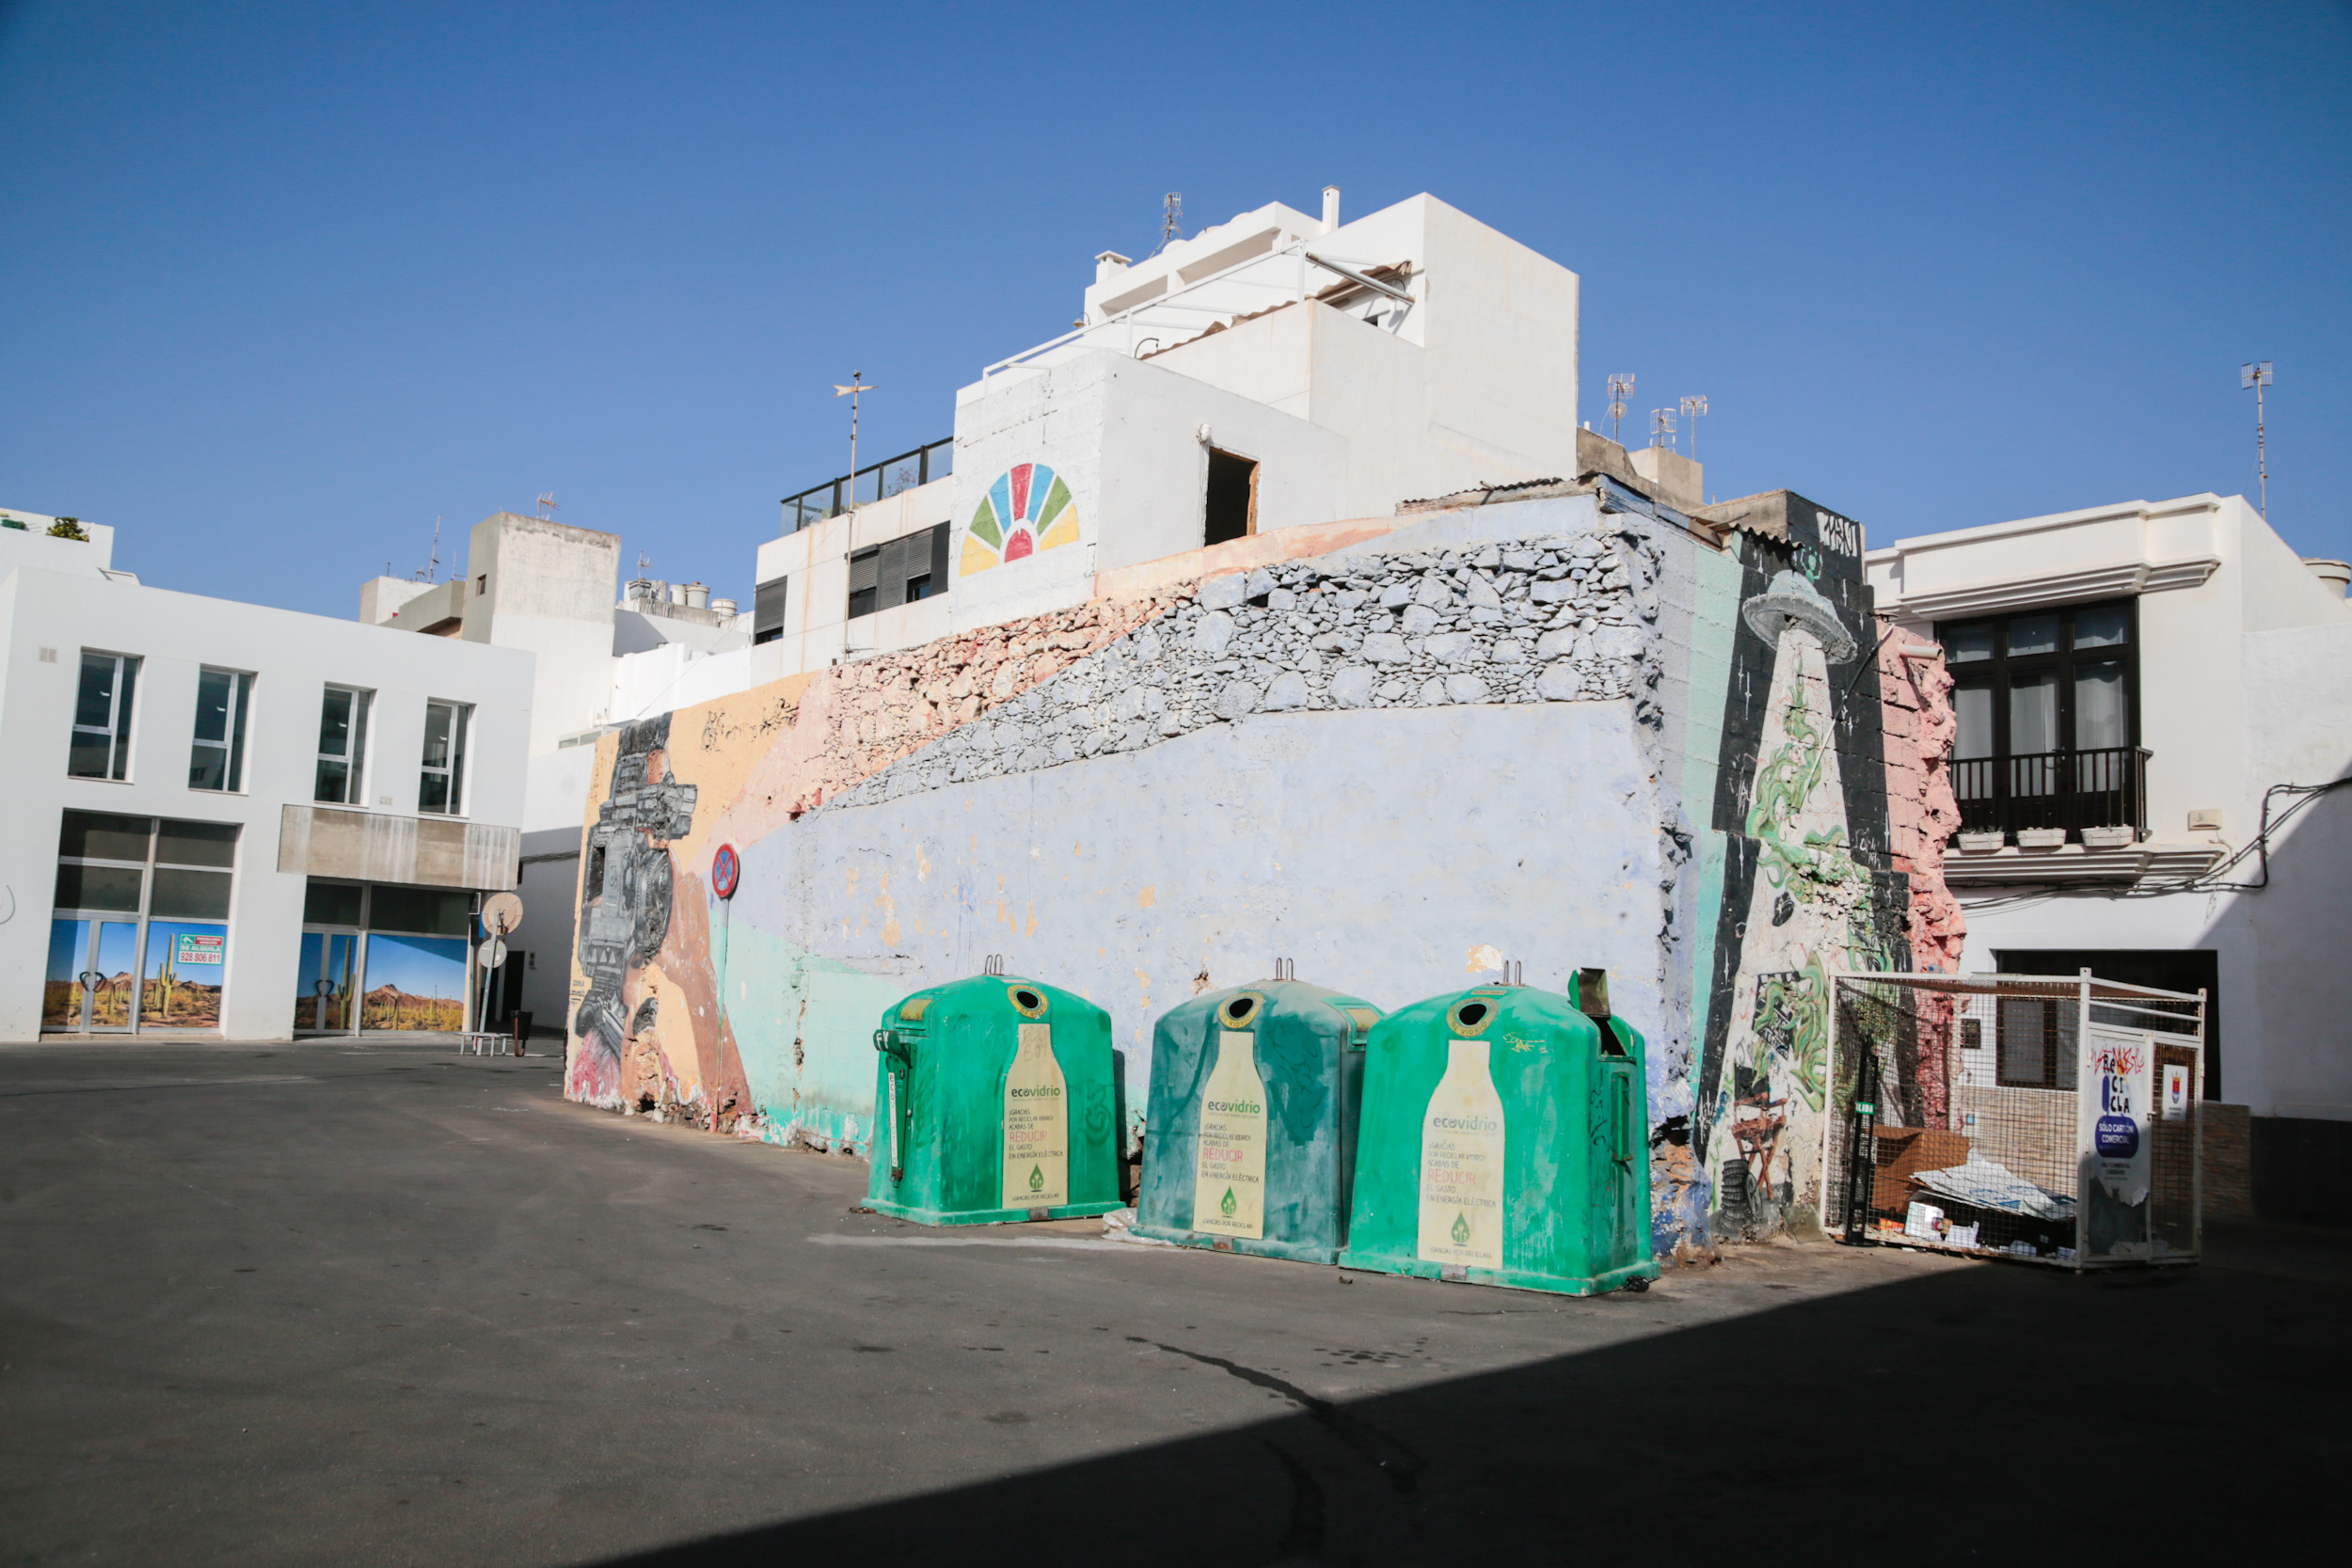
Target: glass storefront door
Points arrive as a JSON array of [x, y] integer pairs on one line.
[[327, 989], [90, 983]]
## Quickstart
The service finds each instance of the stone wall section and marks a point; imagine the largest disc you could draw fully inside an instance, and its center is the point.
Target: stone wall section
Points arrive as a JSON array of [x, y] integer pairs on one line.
[[1554, 618], [1916, 697]]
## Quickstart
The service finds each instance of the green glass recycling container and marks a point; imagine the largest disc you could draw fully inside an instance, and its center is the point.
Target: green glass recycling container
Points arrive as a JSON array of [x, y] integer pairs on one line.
[[1503, 1143], [994, 1101], [1250, 1127]]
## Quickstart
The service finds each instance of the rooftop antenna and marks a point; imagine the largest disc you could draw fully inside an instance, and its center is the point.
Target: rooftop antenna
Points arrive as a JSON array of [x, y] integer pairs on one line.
[[1662, 428], [1692, 408], [432, 570], [858, 387], [547, 503], [2257, 375], [1171, 221], [1620, 388]]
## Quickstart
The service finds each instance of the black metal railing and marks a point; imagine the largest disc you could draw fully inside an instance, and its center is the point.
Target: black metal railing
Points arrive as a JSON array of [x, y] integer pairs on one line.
[[2102, 788], [878, 481]]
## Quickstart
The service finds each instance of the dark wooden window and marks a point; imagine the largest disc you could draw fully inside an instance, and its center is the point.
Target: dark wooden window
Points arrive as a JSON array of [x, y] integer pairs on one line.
[[2048, 709]]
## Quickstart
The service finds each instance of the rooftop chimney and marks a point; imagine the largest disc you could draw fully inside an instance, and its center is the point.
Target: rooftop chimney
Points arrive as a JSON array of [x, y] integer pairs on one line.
[[1330, 208], [1109, 266]]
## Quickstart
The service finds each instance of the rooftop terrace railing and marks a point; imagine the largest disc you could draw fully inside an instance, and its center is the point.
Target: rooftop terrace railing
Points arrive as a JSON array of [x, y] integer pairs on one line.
[[867, 485]]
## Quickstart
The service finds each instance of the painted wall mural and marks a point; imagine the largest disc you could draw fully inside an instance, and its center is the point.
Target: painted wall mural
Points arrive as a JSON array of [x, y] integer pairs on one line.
[[1028, 509], [1808, 886], [1132, 797]]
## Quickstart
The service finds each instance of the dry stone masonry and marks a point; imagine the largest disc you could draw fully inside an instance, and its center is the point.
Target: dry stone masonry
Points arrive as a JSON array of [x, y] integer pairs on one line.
[[1557, 618]]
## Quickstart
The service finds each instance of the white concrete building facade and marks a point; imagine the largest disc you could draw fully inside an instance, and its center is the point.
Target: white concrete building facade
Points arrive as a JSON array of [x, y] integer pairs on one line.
[[232, 820], [1272, 371], [2152, 716]]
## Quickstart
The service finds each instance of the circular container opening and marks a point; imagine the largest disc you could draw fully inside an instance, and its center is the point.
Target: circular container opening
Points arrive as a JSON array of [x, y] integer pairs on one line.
[[1028, 999], [1471, 1014], [1241, 1007]]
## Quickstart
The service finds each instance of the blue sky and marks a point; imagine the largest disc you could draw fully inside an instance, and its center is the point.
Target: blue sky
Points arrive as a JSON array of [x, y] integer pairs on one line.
[[281, 283]]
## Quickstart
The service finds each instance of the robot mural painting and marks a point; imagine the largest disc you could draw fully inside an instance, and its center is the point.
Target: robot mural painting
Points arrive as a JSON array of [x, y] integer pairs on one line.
[[625, 890]]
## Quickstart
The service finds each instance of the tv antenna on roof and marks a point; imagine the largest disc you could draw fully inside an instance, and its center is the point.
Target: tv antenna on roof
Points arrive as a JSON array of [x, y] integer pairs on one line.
[[1171, 221], [1692, 408], [547, 503], [432, 569], [1662, 428], [2257, 375], [1620, 388]]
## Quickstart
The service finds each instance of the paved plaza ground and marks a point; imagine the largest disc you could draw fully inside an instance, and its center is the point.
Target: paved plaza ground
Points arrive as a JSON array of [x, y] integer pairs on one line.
[[322, 1303]]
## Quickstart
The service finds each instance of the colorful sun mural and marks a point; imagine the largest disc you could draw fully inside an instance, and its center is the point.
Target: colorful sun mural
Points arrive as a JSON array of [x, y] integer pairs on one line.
[[1028, 509]]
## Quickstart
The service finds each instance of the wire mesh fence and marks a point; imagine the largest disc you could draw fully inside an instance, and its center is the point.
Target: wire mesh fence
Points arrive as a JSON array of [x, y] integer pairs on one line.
[[2023, 1116]]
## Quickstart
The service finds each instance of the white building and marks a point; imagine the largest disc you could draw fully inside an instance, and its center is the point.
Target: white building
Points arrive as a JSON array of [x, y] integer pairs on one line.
[[1274, 370], [548, 589], [2150, 697], [238, 822]]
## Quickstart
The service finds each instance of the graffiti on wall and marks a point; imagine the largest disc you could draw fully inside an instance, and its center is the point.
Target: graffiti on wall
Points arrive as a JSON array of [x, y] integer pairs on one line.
[[626, 890], [1807, 885]]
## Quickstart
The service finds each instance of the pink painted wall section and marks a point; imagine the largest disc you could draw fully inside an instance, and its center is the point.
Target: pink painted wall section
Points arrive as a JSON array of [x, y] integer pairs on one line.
[[1916, 693]]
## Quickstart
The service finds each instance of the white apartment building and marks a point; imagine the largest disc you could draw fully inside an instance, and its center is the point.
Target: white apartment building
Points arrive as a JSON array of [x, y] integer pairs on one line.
[[235, 821], [2153, 705], [1275, 370]]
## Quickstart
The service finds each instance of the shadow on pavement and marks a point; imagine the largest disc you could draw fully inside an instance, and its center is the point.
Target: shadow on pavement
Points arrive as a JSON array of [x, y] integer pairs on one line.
[[1983, 1413]]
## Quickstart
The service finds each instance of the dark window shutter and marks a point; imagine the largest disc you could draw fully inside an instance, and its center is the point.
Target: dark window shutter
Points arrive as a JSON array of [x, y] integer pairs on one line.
[[767, 610]]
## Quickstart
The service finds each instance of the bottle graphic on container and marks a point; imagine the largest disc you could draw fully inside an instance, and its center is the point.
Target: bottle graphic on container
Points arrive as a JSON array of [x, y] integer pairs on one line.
[[1461, 1164]]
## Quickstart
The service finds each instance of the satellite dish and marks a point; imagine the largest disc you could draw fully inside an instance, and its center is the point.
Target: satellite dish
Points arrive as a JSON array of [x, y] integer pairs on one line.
[[492, 953], [501, 912]]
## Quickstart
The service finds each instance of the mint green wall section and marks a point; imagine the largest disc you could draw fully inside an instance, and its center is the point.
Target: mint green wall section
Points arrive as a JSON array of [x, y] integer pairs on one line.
[[803, 1028], [1714, 626]]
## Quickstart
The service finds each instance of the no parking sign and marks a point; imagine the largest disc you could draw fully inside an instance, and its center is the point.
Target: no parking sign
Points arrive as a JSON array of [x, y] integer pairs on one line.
[[724, 869]]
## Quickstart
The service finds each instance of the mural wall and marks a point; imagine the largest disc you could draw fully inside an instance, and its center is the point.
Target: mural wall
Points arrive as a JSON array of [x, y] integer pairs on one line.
[[1399, 765]]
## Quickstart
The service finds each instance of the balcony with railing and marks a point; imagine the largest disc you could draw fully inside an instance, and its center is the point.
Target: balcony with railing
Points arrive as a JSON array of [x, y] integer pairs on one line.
[[876, 482], [2054, 791]]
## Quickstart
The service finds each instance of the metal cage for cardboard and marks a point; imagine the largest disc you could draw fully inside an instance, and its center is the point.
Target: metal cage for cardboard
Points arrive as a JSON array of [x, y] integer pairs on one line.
[[2041, 1118]]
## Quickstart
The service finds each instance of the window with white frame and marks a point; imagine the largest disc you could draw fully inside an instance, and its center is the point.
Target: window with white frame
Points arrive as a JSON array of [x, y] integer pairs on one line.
[[441, 782], [102, 717], [342, 776], [216, 756]]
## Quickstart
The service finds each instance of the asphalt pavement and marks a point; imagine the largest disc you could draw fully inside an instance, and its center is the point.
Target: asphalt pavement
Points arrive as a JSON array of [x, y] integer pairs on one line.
[[333, 1303]]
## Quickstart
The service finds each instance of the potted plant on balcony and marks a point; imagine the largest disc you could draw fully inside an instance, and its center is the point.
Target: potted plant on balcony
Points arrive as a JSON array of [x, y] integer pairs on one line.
[[2040, 838], [1983, 843], [2109, 838]]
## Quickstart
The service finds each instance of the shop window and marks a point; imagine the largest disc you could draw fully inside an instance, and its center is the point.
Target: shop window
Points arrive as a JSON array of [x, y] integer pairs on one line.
[[138, 937], [102, 717], [216, 756]]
